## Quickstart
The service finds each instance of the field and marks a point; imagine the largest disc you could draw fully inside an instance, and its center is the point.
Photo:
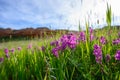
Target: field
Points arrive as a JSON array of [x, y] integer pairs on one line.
[[87, 55], [92, 54]]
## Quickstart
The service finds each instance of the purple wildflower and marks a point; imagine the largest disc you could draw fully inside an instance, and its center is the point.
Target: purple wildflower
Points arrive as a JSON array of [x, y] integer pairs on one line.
[[91, 37], [66, 41], [72, 41], [55, 51], [64, 38], [116, 41], [29, 46], [43, 48], [19, 48], [91, 30], [69, 40], [102, 40], [12, 50], [91, 34], [7, 55], [1, 59], [72, 44], [98, 53], [54, 43], [117, 55], [63, 46], [82, 37], [6, 51], [107, 57]]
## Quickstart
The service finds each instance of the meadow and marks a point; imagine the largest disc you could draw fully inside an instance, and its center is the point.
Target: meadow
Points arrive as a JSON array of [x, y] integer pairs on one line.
[[86, 55]]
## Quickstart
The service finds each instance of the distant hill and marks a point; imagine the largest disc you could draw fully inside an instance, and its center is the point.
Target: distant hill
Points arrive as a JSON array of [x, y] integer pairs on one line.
[[37, 32], [29, 32]]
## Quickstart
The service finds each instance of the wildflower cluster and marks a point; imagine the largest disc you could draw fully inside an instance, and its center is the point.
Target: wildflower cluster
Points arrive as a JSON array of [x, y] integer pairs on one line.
[[103, 40], [55, 43], [12, 50], [116, 41], [117, 55], [69, 40], [6, 52], [98, 53], [82, 36], [19, 48], [66, 41]]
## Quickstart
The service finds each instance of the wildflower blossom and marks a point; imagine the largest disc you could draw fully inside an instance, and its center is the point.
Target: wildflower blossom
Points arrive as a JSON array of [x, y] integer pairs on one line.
[[64, 38], [7, 55], [1, 59], [116, 41], [69, 40], [91, 30], [43, 48], [72, 44], [91, 37], [63, 45], [107, 57], [117, 55], [12, 50], [91, 34], [66, 41], [19, 48], [54, 43], [82, 36], [55, 51], [29, 46], [102, 40], [72, 41], [6, 52], [98, 53]]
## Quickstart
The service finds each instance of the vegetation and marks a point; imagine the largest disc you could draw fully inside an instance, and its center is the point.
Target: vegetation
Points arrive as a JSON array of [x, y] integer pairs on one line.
[[88, 55]]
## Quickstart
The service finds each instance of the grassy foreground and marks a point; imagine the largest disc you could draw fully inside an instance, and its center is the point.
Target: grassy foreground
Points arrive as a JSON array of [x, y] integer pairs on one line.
[[90, 55]]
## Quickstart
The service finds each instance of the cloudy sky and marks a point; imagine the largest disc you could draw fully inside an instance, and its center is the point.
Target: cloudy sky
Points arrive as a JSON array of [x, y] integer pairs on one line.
[[57, 14]]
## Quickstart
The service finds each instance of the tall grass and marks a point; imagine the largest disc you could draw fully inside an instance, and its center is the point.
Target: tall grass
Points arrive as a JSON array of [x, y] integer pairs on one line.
[[72, 64]]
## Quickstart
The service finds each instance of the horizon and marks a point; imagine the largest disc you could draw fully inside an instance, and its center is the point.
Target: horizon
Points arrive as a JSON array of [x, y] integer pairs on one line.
[[65, 14]]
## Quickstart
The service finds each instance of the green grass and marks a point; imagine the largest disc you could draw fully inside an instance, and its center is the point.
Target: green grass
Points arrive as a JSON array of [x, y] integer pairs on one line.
[[77, 64]]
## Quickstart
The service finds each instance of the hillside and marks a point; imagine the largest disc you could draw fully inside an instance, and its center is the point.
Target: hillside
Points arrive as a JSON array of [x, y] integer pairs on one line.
[[29, 32]]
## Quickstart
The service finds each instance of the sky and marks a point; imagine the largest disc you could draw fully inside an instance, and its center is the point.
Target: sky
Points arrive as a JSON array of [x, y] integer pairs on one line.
[[56, 14]]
